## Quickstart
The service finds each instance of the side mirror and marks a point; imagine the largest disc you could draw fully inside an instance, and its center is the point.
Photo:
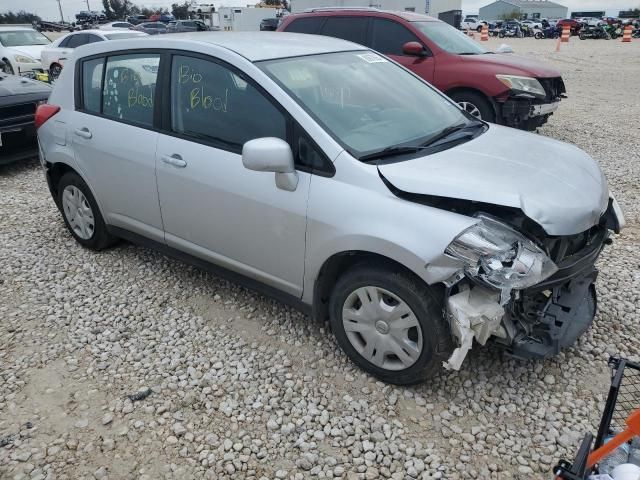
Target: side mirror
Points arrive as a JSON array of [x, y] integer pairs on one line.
[[271, 154], [414, 49]]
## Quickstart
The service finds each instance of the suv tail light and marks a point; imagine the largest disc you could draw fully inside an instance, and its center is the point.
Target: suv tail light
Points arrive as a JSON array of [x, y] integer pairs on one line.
[[44, 112]]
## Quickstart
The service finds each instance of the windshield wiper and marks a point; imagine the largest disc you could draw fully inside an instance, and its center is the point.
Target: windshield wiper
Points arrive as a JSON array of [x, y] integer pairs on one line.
[[437, 138]]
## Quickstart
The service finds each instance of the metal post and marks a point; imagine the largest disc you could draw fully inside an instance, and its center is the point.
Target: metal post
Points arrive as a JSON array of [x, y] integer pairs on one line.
[[60, 8]]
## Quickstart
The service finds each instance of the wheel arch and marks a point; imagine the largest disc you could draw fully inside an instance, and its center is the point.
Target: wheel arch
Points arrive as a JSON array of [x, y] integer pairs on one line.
[[492, 102], [55, 171], [337, 264]]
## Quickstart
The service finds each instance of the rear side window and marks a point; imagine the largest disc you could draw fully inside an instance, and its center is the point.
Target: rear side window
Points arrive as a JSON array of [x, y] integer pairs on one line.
[[65, 43], [92, 84], [212, 103], [77, 40], [353, 29], [388, 36], [129, 88], [93, 38], [305, 25]]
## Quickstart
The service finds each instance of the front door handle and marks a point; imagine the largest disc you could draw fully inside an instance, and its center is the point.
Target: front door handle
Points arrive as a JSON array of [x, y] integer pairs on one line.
[[84, 133], [175, 160]]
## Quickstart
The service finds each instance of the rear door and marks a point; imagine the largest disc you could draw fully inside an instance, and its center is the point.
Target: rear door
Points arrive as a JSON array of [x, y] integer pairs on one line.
[[388, 37], [114, 141], [353, 29]]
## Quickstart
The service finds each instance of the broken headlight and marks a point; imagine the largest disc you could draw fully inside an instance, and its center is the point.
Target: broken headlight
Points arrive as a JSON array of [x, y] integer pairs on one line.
[[500, 256], [522, 84]]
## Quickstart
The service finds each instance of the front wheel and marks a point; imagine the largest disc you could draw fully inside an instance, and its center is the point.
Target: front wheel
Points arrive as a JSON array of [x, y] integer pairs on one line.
[[501, 35], [582, 36], [475, 104], [539, 35], [7, 68], [81, 214], [390, 323]]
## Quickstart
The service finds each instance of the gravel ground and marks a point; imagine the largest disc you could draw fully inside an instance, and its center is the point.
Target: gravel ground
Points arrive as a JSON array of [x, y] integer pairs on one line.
[[244, 387]]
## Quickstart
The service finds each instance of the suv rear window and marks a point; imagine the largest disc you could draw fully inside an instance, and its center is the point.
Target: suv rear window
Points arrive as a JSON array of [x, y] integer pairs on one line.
[[353, 29], [305, 25]]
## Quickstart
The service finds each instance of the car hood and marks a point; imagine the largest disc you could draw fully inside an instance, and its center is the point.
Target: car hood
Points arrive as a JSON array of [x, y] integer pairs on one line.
[[15, 85], [555, 184], [33, 51], [509, 63]]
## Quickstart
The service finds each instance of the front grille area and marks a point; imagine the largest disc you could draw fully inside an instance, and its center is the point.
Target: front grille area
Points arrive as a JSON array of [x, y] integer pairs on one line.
[[17, 114], [553, 87]]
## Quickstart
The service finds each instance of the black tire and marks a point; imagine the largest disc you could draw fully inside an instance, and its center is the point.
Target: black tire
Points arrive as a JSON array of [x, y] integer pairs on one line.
[[425, 302], [100, 238], [582, 36], [539, 35], [501, 35], [54, 71], [487, 112], [7, 68]]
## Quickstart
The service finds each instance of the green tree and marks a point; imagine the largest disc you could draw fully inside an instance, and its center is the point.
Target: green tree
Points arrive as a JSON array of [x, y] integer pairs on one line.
[[509, 15], [180, 10], [117, 9], [18, 17]]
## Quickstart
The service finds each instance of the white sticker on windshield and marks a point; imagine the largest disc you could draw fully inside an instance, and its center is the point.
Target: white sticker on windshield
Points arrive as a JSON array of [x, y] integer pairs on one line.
[[372, 58]]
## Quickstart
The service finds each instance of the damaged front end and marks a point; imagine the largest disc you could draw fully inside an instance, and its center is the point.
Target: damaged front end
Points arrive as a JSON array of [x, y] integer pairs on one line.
[[529, 292]]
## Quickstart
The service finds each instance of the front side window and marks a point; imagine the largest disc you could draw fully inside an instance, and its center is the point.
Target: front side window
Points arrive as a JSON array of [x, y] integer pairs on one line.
[[449, 38], [129, 88], [21, 38], [388, 36], [365, 101], [353, 29], [212, 103]]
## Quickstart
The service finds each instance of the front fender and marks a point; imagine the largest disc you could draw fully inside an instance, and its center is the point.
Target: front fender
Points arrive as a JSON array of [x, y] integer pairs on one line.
[[364, 215]]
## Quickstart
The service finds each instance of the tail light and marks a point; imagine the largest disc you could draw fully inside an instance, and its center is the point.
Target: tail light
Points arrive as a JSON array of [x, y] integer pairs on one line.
[[44, 112]]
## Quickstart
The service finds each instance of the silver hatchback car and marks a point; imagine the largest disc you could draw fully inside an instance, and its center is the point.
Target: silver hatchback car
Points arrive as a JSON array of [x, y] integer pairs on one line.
[[324, 174]]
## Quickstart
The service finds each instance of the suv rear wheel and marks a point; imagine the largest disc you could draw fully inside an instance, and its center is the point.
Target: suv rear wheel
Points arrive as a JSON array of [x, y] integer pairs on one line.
[[389, 323], [475, 104], [81, 214]]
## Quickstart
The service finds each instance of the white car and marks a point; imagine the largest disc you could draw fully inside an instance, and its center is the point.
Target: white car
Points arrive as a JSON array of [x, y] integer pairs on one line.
[[55, 54], [20, 49], [471, 23], [531, 23], [121, 25]]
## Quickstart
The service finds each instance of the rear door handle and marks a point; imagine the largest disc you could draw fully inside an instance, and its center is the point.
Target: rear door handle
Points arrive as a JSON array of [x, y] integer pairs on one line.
[[84, 133], [175, 160]]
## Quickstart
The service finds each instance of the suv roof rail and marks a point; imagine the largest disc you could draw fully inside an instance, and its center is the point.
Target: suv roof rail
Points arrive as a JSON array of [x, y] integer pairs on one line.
[[329, 9]]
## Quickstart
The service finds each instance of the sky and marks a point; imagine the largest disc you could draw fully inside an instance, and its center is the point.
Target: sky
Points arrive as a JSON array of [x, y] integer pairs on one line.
[[48, 9]]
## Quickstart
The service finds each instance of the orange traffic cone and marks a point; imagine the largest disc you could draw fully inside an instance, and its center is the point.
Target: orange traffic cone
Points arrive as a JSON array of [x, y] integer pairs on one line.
[[566, 32], [484, 35], [626, 36]]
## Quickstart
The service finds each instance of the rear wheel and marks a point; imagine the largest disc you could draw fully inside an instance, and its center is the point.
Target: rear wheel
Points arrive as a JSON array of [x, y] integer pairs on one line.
[[389, 323], [54, 71], [475, 104], [539, 35], [81, 214], [6, 67]]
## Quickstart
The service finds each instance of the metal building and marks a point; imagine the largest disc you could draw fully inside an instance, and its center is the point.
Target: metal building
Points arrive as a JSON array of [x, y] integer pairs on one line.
[[524, 8]]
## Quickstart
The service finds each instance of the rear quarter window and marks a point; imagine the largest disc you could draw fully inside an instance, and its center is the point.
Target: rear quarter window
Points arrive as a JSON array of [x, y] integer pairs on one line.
[[305, 25]]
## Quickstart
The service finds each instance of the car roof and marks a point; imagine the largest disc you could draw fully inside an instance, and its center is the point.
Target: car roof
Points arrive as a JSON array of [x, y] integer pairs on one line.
[[13, 29], [337, 11], [254, 46]]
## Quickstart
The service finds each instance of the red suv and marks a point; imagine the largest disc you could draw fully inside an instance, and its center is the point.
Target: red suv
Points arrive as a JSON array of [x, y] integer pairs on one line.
[[574, 25], [500, 88]]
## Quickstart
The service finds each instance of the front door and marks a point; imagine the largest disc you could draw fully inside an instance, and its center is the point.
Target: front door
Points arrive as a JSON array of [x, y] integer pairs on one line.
[[388, 37], [213, 207], [113, 141]]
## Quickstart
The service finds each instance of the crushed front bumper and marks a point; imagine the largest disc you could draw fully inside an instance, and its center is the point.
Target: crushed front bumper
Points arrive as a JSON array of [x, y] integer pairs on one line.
[[539, 321], [528, 111]]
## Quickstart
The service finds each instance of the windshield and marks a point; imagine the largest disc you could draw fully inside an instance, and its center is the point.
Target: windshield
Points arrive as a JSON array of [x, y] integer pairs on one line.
[[365, 101], [21, 38], [449, 39], [120, 36]]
